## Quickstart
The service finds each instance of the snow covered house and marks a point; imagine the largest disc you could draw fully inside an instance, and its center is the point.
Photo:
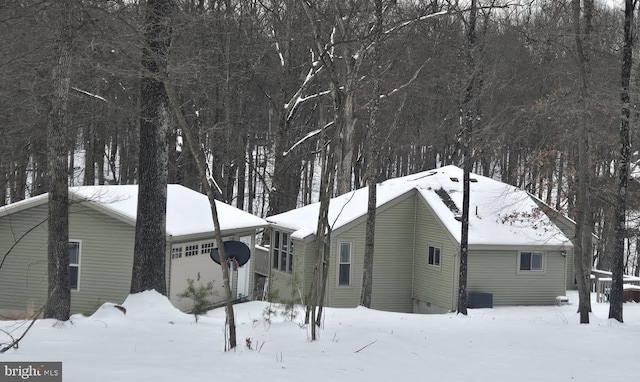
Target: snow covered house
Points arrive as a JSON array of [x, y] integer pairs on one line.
[[517, 255], [101, 242]]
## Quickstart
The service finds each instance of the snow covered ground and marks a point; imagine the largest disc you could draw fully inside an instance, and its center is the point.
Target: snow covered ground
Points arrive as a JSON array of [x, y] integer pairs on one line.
[[155, 342]]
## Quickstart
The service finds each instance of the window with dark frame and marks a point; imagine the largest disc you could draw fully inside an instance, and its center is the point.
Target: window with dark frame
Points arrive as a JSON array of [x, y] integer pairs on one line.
[[74, 264], [531, 261], [434, 256], [206, 248], [344, 266], [191, 250], [282, 252], [176, 252]]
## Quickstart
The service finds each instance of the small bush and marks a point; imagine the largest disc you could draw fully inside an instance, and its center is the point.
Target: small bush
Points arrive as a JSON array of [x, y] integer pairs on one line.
[[200, 296]]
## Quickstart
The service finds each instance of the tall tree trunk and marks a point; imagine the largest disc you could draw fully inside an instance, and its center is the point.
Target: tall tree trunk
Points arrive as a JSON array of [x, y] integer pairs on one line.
[[149, 259], [4, 180], [584, 221], [469, 109], [59, 302], [615, 298], [89, 155], [559, 181], [371, 145], [242, 169], [320, 269]]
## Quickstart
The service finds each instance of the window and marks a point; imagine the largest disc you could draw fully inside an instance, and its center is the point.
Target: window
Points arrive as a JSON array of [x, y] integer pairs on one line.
[[191, 250], [282, 252], [531, 261], [206, 248], [276, 249], [176, 252], [344, 264], [434, 256], [74, 264]]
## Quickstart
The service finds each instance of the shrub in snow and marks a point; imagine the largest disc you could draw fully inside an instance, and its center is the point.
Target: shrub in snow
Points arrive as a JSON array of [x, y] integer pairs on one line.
[[199, 295]]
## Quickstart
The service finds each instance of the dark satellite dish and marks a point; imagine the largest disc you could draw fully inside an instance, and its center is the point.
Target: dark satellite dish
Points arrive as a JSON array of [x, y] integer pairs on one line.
[[236, 251]]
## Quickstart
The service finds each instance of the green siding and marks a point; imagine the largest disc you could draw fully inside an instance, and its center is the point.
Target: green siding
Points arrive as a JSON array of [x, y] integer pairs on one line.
[[23, 276], [105, 259], [570, 283], [287, 287], [391, 289], [434, 285], [497, 272], [403, 279], [309, 262], [568, 228]]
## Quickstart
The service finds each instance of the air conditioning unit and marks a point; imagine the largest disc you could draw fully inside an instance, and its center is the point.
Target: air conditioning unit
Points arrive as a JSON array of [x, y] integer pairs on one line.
[[478, 300]]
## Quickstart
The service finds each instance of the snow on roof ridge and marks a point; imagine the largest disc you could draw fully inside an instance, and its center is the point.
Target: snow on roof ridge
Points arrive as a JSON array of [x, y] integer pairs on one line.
[[501, 213], [188, 211]]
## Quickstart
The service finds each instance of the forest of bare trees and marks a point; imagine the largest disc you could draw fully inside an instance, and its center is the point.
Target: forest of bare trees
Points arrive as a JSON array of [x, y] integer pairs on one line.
[[253, 78]]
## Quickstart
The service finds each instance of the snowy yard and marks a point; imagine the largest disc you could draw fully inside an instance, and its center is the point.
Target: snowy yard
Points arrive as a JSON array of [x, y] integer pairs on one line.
[[155, 342]]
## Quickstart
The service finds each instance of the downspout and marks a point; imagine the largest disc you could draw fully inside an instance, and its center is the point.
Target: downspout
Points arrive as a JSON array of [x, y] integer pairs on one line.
[[269, 279], [413, 259], [455, 273], [564, 254]]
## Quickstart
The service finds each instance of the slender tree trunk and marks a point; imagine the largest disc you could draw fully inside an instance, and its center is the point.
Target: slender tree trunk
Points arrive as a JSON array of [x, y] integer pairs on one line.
[[59, 302], [345, 168], [371, 145], [204, 171], [559, 181], [4, 169], [89, 155], [636, 271], [584, 222], [326, 184], [149, 259], [325, 274], [242, 169], [616, 298], [469, 109]]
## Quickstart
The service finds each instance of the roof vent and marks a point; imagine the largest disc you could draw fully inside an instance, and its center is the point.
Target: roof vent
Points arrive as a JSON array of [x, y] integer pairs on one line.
[[473, 180], [453, 179], [431, 173]]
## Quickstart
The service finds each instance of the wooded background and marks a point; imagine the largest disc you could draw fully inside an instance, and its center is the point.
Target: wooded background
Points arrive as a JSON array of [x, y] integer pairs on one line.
[[248, 76]]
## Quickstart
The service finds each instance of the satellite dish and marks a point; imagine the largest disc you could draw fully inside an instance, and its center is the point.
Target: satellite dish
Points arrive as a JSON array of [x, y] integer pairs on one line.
[[236, 251]]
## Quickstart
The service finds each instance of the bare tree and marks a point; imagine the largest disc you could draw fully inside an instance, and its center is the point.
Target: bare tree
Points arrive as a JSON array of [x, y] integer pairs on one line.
[[470, 113], [209, 185], [582, 24], [371, 145], [616, 297]]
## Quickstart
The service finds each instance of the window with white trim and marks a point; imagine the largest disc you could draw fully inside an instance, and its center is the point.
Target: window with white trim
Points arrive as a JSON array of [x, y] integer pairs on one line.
[[176, 252], [191, 250], [282, 251], [344, 264], [433, 256], [531, 261], [74, 264]]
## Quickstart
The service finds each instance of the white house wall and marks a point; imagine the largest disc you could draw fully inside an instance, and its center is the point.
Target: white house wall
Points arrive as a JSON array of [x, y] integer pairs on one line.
[[202, 270]]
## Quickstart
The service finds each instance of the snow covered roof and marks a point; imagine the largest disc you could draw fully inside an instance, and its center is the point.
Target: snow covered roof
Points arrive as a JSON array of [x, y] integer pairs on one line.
[[188, 211], [500, 214]]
